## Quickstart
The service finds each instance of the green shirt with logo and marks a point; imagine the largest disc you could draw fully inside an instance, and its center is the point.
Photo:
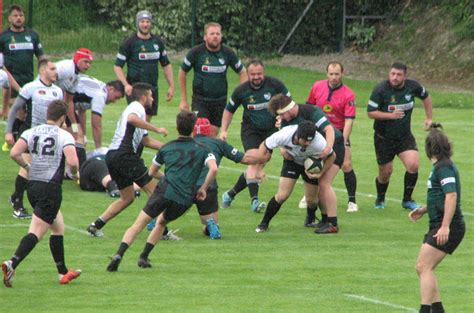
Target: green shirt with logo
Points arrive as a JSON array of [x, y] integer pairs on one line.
[[184, 159], [444, 178], [385, 98], [142, 57], [255, 103], [210, 71], [18, 49]]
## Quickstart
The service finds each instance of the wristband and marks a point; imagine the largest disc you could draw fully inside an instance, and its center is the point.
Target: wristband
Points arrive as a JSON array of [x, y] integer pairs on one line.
[[26, 166], [74, 127]]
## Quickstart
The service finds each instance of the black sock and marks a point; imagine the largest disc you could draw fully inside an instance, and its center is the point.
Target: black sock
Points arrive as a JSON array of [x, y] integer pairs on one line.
[[410, 182], [381, 190], [21, 183], [311, 211], [111, 186], [99, 223], [424, 308], [122, 248], [324, 218], [437, 307], [81, 153], [26, 245], [350, 181], [56, 245], [332, 220], [272, 209], [146, 250], [240, 185], [253, 189]]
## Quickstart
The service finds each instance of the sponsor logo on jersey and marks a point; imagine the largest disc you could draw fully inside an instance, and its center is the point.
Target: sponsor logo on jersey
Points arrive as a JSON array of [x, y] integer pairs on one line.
[[267, 96], [42, 92], [327, 108], [400, 107], [149, 55], [12, 39], [258, 106], [221, 61], [213, 69], [55, 93], [21, 46], [28, 38], [408, 97], [351, 103], [155, 46], [448, 180], [234, 151], [142, 48], [251, 99], [207, 61]]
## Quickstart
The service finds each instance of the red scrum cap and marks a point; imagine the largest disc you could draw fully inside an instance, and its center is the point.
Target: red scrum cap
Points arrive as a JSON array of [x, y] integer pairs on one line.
[[202, 127], [82, 53]]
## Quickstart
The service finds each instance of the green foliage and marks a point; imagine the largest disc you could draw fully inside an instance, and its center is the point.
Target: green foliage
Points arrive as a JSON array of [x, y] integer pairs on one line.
[[361, 36]]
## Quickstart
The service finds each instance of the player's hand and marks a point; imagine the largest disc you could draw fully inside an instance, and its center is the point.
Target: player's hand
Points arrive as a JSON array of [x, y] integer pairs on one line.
[[223, 135], [128, 90], [323, 155], [9, 139], [278, 122], [442, 235], [285, 155], [170, 93], [201, 194], [398, 114], [183, 105], [428, 123], [313, 175], [416, 214], [162, 130]]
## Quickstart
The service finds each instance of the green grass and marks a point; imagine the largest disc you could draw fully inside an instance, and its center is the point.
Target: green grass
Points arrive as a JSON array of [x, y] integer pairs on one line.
[[367, 267]]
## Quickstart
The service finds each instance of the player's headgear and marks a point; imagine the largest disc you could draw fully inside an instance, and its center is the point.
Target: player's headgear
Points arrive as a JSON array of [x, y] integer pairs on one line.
[[83, 53], [306, 130], [141, 15], [202, 127]]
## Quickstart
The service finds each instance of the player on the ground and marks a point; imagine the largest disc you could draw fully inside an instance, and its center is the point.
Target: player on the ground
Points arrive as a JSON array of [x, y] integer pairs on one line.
[[257, 124], [19, 45], [446, 222], [391, 105], [51, 148], [68, 79], [338, 103], [184, 160], [93, 94], [210, 61], [297, 142], [35, 97], [289, 112], [124, 164], [142, 52]]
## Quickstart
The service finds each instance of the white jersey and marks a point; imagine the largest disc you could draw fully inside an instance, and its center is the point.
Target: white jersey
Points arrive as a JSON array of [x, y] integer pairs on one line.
[[127, 137], [4, 83], [284, 138], [38, 96], [45, 144], [90, 94], [67, 76]]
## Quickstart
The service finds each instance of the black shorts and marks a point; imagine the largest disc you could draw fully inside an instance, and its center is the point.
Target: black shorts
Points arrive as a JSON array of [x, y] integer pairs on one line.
[[157, 204], [208, 205], [212, 110], [251, 137], [45, 198], [153, 111], [340, 151], [293, 170], [91, 175], [127, 168], [454, 239], [386, 149]]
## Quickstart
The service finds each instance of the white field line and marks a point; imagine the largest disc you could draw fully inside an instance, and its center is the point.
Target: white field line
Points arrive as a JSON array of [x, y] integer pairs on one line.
[[77, 230], [378, 302]]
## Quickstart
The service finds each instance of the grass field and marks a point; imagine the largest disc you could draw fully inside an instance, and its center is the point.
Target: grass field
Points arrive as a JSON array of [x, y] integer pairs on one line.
[[367, 267]]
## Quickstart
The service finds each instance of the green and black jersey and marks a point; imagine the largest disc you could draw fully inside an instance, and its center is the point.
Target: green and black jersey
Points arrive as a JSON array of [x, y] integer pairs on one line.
[[184, 159], [18, 49], [385, 98], [309, 112], [210, 71], [444, 178], [220, 149], [142, 57], [255, 102]]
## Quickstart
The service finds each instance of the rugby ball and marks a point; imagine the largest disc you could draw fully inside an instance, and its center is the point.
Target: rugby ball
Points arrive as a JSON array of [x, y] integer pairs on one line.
[[313, 165]]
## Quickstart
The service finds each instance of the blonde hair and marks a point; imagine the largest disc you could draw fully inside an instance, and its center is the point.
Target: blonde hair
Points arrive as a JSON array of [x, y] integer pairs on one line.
[[211, 24]]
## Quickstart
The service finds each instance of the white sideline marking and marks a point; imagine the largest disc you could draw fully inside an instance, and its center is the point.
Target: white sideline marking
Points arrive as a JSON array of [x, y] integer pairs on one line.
[[375, 301], [77, 230]]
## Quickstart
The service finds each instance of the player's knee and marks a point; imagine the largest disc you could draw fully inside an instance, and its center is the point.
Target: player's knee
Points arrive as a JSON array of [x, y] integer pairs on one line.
[[347, 166]]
